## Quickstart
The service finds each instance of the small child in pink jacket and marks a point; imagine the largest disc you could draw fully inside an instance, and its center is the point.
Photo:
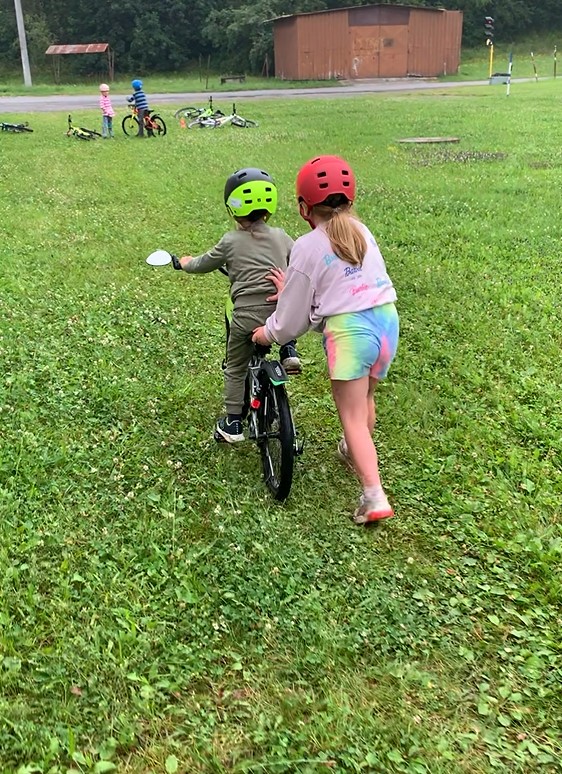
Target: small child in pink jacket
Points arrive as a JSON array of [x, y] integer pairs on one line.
[[107, 112]]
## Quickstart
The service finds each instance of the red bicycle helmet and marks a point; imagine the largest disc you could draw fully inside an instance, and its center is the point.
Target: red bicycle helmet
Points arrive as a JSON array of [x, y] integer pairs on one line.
[[324, 176]]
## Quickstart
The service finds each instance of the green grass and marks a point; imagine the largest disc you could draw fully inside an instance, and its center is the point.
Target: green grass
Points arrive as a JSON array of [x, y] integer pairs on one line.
[[158, 611]]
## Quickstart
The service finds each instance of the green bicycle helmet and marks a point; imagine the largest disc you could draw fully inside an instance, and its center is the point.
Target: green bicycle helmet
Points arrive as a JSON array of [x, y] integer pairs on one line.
[[249, 190]]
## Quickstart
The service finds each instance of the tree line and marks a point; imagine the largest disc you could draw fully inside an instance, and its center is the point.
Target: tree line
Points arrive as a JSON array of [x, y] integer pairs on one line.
[[170, 35]]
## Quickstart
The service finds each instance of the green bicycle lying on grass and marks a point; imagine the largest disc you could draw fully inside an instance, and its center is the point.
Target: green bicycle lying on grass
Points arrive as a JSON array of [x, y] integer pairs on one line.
[[191, 112], [215, 121], [80, 132]]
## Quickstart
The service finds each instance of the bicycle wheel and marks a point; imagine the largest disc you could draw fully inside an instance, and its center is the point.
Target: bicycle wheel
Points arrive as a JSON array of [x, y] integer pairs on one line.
[[189, 112], [80, 135], [130, 125], [276, 440], [243, 122], [158, 126]]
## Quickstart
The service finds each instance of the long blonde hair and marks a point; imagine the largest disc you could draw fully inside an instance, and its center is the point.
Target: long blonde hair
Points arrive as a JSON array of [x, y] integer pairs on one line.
[[342, 229]]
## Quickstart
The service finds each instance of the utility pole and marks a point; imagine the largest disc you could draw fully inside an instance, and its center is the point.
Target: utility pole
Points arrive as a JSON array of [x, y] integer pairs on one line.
[[23, 44]]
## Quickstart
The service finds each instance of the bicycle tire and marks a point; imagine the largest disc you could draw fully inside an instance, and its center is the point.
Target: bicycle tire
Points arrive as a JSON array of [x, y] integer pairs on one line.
[[130, 125], [80, 135], [90, 131], [160, 129], [188, 112], [243, 123], [276, 439]]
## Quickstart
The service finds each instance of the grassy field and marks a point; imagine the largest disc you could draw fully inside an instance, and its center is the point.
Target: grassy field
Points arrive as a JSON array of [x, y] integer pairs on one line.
[[158, 612]]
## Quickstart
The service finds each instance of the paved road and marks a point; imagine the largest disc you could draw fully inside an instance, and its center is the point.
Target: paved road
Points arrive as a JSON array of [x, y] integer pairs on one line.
[[351, 89]]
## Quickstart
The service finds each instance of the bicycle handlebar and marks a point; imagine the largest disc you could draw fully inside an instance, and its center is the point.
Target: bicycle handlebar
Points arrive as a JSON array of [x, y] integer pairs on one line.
[[177, 265]]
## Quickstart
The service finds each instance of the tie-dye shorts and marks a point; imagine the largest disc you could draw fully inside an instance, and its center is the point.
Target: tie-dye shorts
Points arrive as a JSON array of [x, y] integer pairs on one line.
[[361, 343]]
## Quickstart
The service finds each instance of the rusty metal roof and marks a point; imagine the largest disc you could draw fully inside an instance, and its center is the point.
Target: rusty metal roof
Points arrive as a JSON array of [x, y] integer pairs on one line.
[[79, 48], [350, 8]]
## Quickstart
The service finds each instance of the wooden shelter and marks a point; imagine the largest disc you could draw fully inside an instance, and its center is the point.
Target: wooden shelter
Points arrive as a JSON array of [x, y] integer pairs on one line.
[[368, 41], [81, 48]]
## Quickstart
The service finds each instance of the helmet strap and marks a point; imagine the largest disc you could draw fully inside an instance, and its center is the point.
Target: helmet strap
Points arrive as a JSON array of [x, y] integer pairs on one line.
[[305, 213]]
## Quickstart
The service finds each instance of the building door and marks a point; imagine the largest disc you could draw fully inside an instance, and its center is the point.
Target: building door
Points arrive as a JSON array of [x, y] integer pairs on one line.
[[378, 41]]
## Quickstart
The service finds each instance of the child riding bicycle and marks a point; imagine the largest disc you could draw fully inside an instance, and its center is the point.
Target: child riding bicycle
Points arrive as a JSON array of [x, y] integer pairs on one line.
[[249, 253]]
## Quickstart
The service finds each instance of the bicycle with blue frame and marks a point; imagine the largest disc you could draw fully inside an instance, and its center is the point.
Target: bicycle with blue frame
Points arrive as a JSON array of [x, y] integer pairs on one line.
[[266, 406]]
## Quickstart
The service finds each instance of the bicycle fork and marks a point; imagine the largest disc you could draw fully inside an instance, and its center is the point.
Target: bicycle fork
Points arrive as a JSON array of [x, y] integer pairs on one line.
[[256, 390]]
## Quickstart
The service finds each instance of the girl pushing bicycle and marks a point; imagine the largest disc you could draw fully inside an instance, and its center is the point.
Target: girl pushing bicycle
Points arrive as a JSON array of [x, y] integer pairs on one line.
[[337, 284], [249, 254]]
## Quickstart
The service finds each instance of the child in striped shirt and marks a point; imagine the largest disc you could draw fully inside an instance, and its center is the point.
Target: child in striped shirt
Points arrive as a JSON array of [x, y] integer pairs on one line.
[[107, 111], [138, 98]]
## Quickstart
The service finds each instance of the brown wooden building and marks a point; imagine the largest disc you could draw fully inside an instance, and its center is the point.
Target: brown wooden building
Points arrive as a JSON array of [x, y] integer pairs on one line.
[[368, 41]]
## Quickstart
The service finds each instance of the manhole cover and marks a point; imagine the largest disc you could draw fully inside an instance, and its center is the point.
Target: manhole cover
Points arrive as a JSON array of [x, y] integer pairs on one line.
[[430, 139]]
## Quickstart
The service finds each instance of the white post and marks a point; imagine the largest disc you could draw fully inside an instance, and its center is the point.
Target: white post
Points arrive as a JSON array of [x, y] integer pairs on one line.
[[23, 44]]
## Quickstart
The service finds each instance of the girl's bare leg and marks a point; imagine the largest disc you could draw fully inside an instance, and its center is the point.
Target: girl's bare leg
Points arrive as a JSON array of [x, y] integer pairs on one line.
[[356, 408]]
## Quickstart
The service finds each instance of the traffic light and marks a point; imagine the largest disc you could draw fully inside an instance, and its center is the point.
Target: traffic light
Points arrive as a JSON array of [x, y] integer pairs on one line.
[[489, 28]]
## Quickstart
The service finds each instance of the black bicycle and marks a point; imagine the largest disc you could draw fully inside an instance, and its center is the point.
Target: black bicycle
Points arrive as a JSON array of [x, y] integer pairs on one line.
[[270, 421], [267, 412], [16, 128]]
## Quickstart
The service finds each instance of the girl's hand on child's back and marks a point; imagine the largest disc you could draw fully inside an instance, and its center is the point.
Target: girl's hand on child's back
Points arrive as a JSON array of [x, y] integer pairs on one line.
[[277, 276], [259, 336], [184, 260]]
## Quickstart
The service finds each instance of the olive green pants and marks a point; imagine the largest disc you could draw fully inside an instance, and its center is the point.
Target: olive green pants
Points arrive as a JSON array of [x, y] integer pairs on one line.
[[239, 350]]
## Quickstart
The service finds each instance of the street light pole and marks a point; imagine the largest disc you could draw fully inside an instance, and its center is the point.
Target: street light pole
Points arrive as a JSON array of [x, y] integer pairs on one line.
[[23, 43]]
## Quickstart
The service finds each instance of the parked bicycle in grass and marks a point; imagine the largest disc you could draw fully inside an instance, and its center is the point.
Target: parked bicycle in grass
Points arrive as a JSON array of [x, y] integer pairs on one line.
[[15, 128], [191, 112], [215, 122], [80, 132]]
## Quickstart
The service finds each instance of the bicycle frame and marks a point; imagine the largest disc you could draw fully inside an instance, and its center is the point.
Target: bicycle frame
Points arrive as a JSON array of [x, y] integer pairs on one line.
[[80, 131], [153, 124], [5, 127], [267, 411], [214, 121]]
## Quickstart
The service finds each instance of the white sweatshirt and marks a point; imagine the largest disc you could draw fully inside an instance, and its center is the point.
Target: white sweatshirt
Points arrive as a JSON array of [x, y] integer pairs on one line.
[[318, 284]]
